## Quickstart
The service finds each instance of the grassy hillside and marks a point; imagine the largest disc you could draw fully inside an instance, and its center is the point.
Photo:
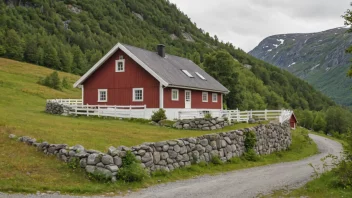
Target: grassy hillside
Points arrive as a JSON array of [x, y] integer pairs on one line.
[[22, 104], [71, 36]]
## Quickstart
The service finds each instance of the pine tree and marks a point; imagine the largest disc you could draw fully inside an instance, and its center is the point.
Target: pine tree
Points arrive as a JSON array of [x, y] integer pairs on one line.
[[51, 58]]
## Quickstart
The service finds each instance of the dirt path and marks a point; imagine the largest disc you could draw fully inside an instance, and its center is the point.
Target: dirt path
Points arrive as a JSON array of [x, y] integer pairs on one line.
[[242, 183]]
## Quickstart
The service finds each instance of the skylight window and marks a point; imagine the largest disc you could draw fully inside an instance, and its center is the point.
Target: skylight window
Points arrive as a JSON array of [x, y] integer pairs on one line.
[[200, 76], [187, 73]]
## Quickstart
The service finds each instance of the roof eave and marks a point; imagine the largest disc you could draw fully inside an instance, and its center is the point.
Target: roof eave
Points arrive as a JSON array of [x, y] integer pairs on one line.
[[200, 89]]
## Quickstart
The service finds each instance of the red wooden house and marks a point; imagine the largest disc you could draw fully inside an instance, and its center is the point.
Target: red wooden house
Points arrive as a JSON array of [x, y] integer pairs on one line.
[[128, 75]]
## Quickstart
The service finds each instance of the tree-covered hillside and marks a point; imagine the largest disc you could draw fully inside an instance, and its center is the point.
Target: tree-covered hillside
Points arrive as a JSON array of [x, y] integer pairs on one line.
[[71, 36]]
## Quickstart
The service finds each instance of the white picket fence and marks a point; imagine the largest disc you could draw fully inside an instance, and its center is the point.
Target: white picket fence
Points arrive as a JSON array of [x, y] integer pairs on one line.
[[67, 101], [109, 111], [76, 107], [240, 116]]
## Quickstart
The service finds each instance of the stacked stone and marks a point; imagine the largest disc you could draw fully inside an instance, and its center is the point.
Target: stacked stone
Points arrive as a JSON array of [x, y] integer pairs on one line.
[[93, 161], [56, 108], [201, 123], [172, 154]]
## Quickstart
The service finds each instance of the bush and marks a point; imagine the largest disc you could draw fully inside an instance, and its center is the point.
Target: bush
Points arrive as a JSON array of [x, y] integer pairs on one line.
[[203, 164], [129, 159], [52, 81], [250, 140], [159, 115], [208, 116], [132, 173], [65, 83], [216, 160], [131, 170], [251, 155], [73, 163]]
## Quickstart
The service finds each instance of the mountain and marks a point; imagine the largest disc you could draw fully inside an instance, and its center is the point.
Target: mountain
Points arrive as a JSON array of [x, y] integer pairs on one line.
[[72, 35], [319, 58]]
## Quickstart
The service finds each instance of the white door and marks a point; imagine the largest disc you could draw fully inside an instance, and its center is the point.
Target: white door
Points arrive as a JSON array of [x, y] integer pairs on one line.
[[188, 99]]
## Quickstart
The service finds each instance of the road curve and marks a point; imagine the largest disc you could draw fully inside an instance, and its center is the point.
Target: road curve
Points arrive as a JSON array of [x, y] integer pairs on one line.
[[242, 183]]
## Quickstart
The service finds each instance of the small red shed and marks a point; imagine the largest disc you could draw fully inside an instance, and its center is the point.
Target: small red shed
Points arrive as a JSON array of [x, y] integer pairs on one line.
[[293, 121]]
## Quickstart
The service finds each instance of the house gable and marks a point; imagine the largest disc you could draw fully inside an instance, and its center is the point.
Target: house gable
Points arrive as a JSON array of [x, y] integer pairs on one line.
[[120, 85]]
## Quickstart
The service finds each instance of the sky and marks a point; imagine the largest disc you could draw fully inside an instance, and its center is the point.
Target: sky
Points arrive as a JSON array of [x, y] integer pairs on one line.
[[245, 23]]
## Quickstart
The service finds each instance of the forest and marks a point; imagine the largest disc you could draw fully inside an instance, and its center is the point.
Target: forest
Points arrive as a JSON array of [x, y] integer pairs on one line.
[[71, 36]]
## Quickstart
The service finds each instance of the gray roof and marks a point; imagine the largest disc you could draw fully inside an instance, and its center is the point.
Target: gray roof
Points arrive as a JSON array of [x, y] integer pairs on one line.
[[170, 67]]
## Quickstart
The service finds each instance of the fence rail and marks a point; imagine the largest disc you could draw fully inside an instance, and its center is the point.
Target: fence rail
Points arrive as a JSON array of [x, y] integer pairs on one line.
[[67, 101], [240, 116], [108, 111]]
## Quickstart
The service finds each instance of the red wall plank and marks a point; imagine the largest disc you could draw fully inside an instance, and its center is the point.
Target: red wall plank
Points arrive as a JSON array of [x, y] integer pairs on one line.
[[120, 84]]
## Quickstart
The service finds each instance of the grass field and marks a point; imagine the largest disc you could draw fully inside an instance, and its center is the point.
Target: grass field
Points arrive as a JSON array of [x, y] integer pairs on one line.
[[23, 169]]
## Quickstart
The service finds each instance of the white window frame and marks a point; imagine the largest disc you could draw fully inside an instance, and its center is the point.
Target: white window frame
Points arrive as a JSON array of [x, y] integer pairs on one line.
[[200, 76], [172, 94], [117, 65], [134, 95], [121, 57], [187, 73], [212, 97], [106, 95], [206, 95]]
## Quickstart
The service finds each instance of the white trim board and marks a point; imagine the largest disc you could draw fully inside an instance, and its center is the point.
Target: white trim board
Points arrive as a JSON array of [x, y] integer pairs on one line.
[[108, 55]]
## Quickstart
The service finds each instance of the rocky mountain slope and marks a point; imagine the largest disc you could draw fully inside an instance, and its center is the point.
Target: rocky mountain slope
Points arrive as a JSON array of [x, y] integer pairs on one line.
[[319, 58]]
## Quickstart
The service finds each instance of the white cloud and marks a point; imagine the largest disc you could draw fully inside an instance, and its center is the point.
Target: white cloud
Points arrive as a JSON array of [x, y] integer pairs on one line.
[[245, 23]]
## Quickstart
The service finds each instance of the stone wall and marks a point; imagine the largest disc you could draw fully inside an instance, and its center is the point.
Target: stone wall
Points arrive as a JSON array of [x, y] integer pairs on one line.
[[56, 108], [171, 154], [201, 123]]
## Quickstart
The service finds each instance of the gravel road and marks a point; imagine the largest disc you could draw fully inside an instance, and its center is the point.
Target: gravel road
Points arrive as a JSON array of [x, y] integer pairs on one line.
[[242, 183]]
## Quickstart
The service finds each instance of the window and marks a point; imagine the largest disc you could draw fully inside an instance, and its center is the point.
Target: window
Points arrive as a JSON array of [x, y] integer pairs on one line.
[[120, 65], [187, 73], [205, 96], [138, 94], [215, 97], [174, 94], [121, 57], [200, 76], [102, 95]]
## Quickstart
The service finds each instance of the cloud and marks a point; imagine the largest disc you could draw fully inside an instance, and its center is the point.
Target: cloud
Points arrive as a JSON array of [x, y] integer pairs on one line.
[[245, 23]]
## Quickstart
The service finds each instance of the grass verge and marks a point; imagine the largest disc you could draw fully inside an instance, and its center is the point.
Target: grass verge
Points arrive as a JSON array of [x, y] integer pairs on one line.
[[322, 187], [26, 170]]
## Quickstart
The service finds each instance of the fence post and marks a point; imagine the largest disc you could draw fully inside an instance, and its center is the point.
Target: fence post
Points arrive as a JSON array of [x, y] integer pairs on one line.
[[87, 111], [130, 111], [238, 115], [98, 110], [266, 114], [145, 108]]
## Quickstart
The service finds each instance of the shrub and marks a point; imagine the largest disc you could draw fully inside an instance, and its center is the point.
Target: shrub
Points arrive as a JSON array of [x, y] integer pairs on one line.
[[251, 155], [250, 140], [129, 159], [73, 163], [65, 83], [131, 170], [216, 160], [132, 173], [159, 115], [208, 116], [52, 81]]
